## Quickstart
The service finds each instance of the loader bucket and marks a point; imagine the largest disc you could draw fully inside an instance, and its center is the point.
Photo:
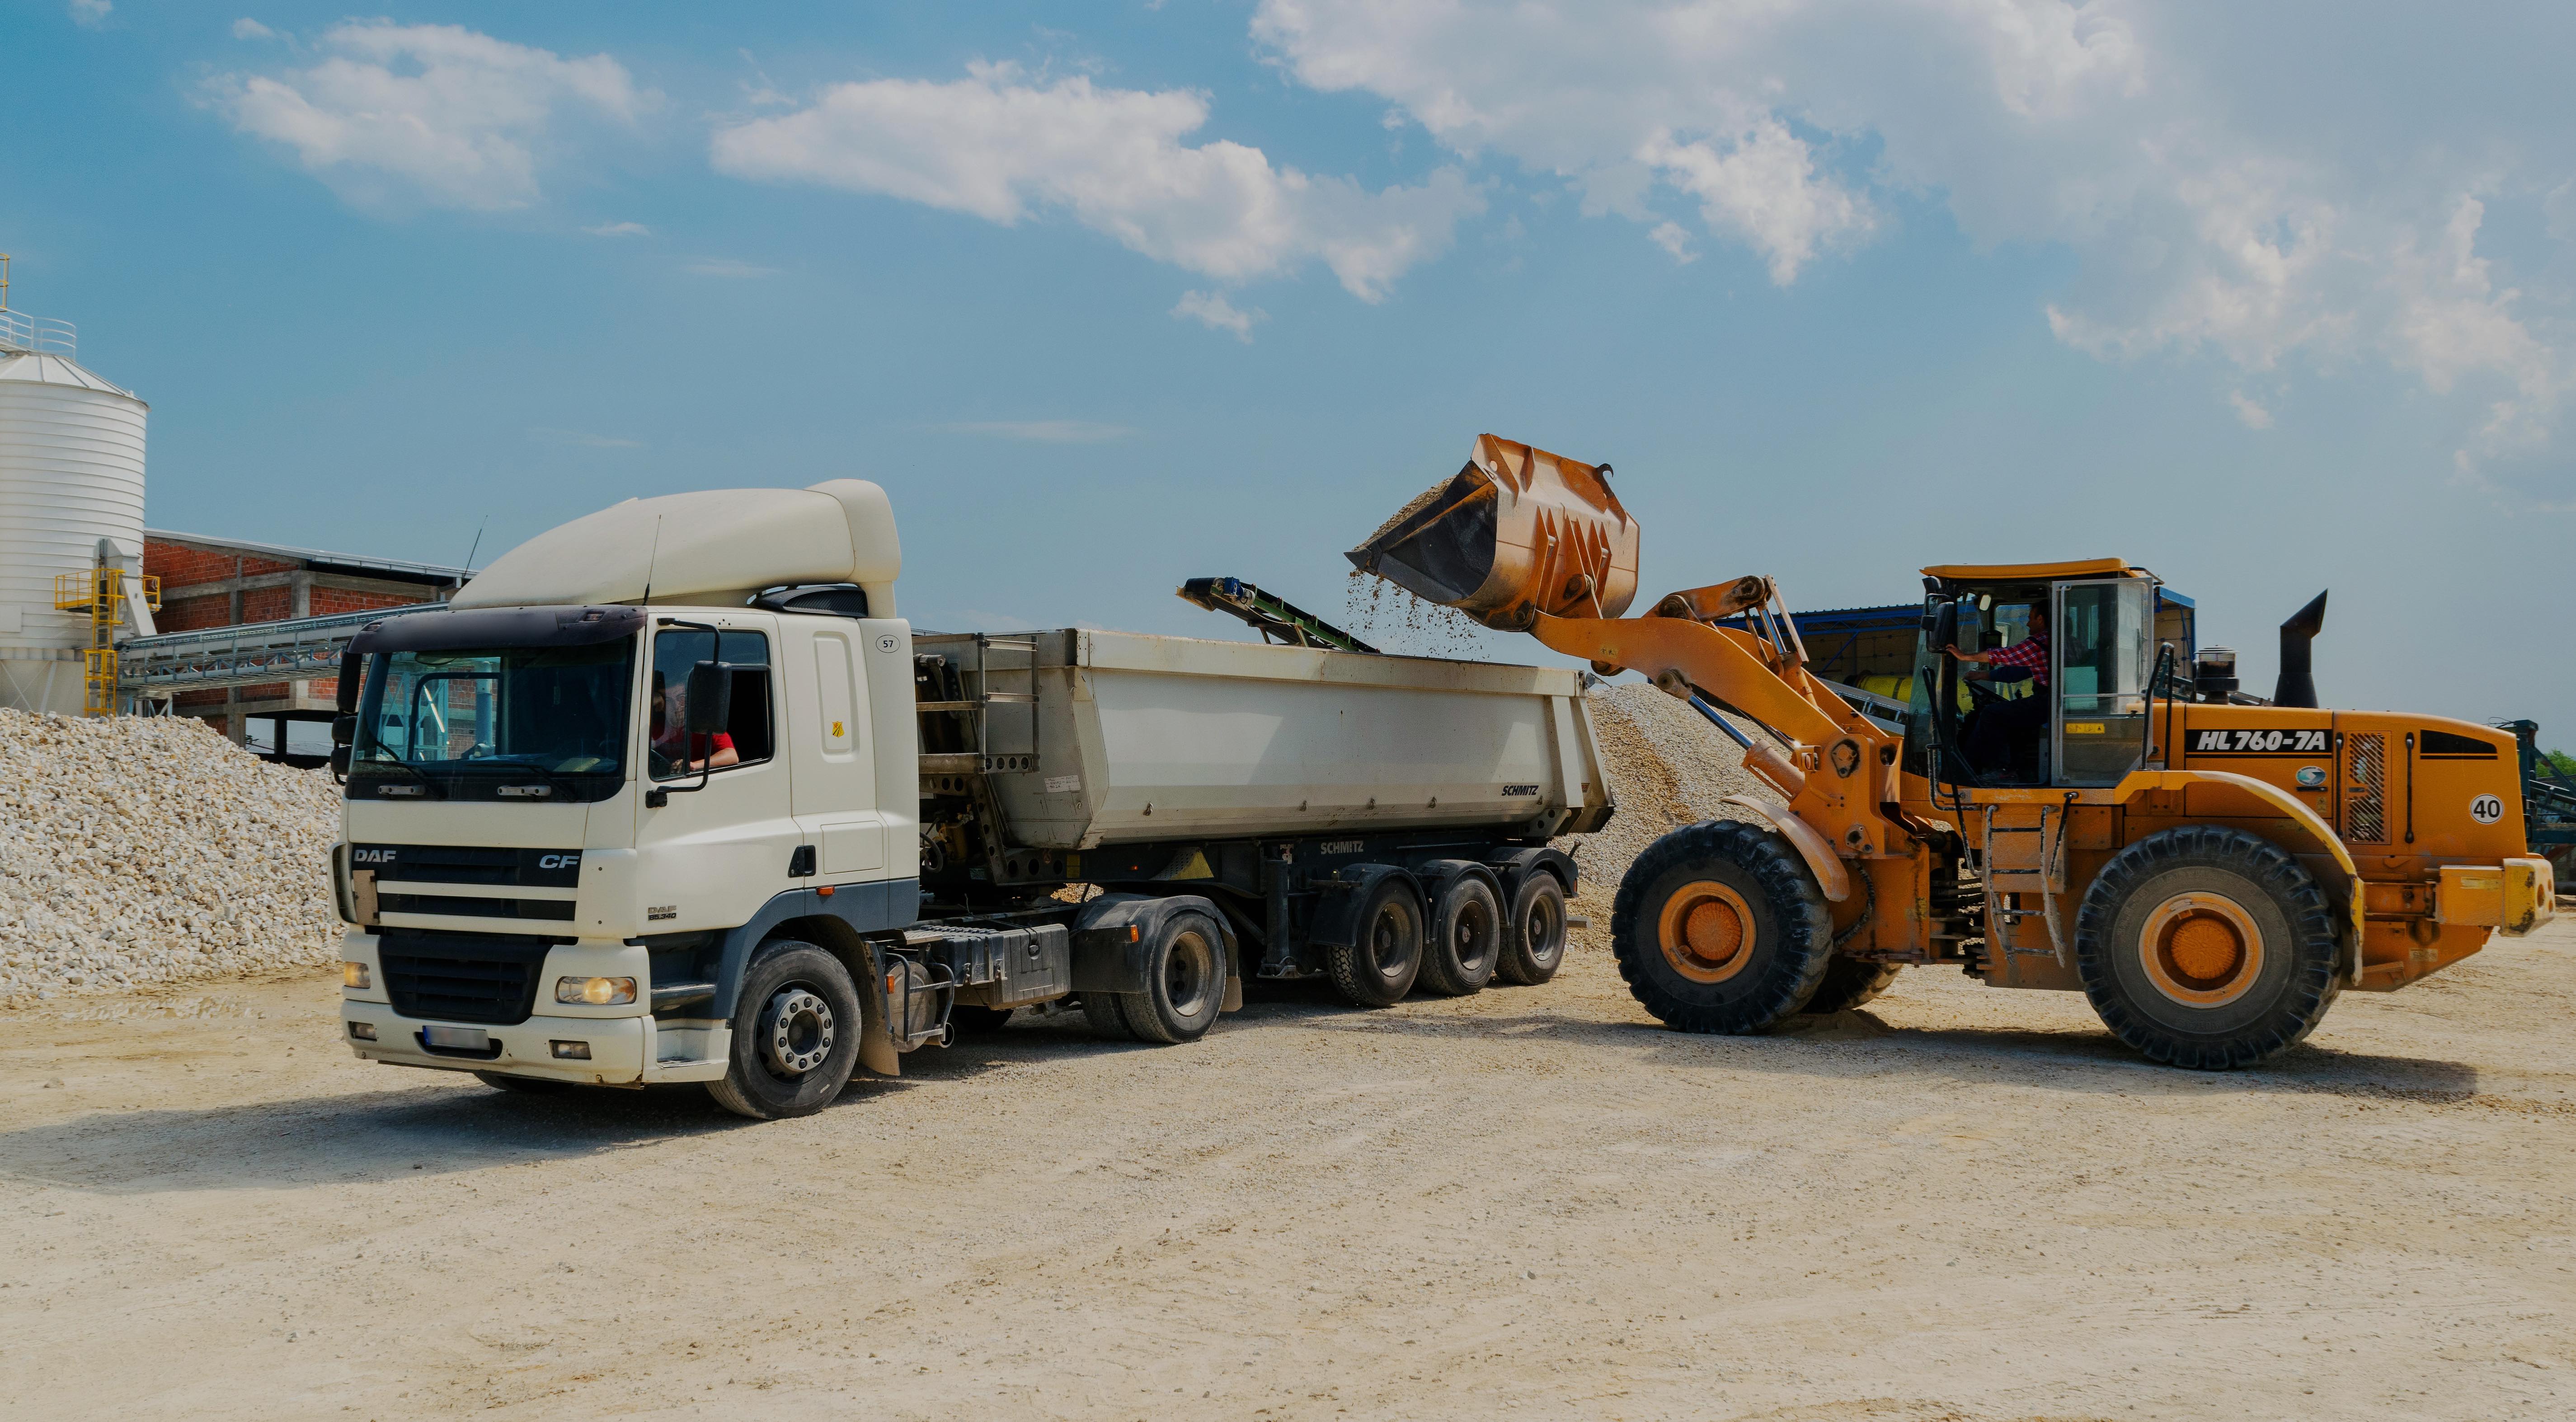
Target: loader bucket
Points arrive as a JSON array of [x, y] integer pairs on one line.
[[1518, 532]]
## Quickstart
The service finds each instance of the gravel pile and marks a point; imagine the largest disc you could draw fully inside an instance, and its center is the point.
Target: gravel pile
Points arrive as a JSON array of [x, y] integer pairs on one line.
[[144, 850], [1668, 767]]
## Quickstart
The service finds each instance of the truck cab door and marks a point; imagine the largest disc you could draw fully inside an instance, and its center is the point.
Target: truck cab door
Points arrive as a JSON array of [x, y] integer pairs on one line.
[[835, 794], [719, 845]]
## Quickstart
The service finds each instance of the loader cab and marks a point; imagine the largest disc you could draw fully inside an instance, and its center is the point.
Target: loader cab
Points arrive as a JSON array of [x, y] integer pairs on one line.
[[2077, 716]]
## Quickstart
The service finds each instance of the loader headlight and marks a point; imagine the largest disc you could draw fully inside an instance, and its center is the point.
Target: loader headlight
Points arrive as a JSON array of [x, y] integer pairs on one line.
[[595, 992], [355, 975]]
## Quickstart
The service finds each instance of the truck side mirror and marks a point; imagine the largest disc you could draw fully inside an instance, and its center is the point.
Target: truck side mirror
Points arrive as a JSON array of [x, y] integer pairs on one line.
[[340, 760], [353, 670], [344, 729], [710, 707]]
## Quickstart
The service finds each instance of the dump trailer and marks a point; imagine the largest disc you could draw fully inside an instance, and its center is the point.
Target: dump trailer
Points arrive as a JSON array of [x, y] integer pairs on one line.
[[2061, 801], [671, 794]]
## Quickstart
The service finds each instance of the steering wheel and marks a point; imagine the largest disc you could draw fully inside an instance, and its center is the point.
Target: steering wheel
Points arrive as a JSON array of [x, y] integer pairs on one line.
[[480, 750], [1981, 693]]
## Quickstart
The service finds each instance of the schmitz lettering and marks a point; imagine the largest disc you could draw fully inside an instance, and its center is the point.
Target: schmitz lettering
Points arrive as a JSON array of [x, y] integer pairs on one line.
[[2268, 741]]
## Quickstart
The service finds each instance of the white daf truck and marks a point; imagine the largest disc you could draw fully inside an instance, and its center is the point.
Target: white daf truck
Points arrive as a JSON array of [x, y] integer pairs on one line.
[[671, 794]]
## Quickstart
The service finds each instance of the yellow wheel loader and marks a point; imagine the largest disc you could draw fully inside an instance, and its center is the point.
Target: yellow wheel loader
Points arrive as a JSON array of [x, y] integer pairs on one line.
[[2055, 804]]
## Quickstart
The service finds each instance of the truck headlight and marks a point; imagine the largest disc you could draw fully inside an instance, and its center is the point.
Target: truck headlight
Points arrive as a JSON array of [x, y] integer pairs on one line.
[[595, 992], [355, 975]]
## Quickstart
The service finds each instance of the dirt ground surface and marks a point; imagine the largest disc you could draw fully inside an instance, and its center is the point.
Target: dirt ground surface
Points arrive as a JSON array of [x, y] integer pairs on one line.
[[1960, 1203]]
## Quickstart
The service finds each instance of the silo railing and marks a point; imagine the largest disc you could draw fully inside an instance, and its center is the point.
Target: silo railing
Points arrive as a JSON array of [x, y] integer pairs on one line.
[[40, 335]]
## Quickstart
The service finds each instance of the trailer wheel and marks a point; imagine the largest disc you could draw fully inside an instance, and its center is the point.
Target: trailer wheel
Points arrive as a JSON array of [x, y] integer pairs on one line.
[[1534, 938], [1719, 927], [1184, 982], [795, 1034], [1379, 969], [1849, 983], [1466, 940], [2207, 947]]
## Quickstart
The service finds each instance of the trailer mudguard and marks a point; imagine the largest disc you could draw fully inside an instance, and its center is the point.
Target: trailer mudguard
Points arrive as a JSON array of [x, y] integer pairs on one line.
[[1107, 958], [1337, 904], [1512, 864]]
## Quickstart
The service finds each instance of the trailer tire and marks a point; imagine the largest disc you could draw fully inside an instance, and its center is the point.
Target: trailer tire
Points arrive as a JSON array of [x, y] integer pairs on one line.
[[523, 1085], [796, 1028], [2208, 948], [1849, 983], [1465, 944], [1720, 927], [1184, 982], [1378, 968], [1534, 936]]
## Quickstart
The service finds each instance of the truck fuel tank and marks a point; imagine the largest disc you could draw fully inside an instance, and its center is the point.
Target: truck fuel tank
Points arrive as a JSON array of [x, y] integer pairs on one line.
[[1518, 531]]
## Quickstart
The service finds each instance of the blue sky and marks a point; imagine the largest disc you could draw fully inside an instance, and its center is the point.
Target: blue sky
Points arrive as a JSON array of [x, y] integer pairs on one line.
[[2266, 298]]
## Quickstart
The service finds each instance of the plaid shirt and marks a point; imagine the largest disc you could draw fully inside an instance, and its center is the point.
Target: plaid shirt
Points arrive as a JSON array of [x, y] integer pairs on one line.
[[2031, 652]]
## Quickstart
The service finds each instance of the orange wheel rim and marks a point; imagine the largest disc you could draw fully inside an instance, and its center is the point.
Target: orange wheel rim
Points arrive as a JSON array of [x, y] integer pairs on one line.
[[1706, 931], [2201, 949]]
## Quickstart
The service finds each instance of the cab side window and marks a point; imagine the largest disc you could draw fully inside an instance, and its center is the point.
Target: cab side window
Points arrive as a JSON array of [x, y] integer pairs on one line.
[[749, 735]]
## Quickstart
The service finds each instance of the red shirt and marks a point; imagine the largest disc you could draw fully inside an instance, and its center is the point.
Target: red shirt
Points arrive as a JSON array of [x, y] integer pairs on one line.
[[703, 746], [2031, 652]]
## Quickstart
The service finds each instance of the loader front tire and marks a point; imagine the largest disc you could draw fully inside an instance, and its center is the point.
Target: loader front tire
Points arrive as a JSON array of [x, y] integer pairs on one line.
[[2208, 948], [1719, 927], [1849, 983]]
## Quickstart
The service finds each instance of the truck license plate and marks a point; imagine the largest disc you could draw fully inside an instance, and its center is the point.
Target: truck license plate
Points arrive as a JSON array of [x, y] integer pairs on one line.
[[458, 1039]]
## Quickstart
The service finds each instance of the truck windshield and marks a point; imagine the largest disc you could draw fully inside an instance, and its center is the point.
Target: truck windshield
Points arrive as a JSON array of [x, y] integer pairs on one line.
[[465, 720]]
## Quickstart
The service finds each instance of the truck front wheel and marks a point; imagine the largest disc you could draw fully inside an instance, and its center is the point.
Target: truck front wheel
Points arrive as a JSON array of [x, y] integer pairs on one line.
[[1378, 969], [795, 1034]]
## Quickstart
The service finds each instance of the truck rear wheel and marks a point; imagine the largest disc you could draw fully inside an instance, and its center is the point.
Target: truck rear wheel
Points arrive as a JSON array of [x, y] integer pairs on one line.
[[1184, 982], [1466, 938], [795, 1034], [1379, 969], [1534, 935], [2207, 947], [1719, 927]]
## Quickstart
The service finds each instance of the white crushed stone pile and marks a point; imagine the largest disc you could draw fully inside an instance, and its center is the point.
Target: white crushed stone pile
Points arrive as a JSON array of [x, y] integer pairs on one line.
[[1668, 767], [144, 850]]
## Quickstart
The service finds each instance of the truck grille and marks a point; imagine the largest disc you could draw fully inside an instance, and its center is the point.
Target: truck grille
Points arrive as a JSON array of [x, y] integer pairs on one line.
[[469, 864], [559, 910], [2365, 815], [484, 980]]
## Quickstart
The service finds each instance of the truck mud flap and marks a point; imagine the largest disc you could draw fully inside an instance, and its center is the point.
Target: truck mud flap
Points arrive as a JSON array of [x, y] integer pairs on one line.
[[1111, 934]]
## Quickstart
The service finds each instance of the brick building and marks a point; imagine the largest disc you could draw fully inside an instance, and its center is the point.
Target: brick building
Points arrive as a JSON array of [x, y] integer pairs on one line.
[[225, 582]]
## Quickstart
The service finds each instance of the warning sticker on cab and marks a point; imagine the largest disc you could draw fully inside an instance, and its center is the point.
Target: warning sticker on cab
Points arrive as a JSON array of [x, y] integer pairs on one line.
[[2267, 741]]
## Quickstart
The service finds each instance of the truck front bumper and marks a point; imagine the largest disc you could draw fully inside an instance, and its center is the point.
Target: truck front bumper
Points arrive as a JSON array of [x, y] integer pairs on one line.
[[622, 1049]]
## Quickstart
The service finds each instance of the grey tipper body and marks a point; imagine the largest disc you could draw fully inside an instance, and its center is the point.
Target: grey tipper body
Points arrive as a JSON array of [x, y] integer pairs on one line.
[[754, 832]]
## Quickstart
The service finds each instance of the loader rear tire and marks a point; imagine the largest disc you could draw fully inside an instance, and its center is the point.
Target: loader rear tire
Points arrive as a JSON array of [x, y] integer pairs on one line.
[[2208, 948], [1379, 969], [1534, 936], [1466, 939], [1849, 983], [1719, 927]]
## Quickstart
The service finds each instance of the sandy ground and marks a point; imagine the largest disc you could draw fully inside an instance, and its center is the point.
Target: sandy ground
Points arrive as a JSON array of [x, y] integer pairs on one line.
[[1960, 1203]]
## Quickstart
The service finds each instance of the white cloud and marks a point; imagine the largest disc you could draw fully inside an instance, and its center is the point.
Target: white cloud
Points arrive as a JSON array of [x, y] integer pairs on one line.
[[2253, 414], [1000, 145], [619, 229], [90, 12], [728, 267], [247, 28], [432, 112], [1212, 310], [2228, 185], [1043, 431], [1674, 240]]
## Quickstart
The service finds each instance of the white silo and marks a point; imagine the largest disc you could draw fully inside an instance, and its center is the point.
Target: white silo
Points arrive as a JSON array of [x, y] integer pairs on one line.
[[71, 491]]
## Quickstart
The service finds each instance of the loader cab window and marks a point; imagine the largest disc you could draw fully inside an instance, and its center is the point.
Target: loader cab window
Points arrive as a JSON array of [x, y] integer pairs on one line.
[[749, 734], [2105, 639]]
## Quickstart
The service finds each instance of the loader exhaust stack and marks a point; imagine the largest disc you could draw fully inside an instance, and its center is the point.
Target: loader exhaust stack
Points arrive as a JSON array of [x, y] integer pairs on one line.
[[1517, 532]]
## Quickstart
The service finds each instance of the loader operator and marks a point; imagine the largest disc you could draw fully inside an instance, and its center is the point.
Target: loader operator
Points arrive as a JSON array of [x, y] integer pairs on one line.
[[1998, 732]]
